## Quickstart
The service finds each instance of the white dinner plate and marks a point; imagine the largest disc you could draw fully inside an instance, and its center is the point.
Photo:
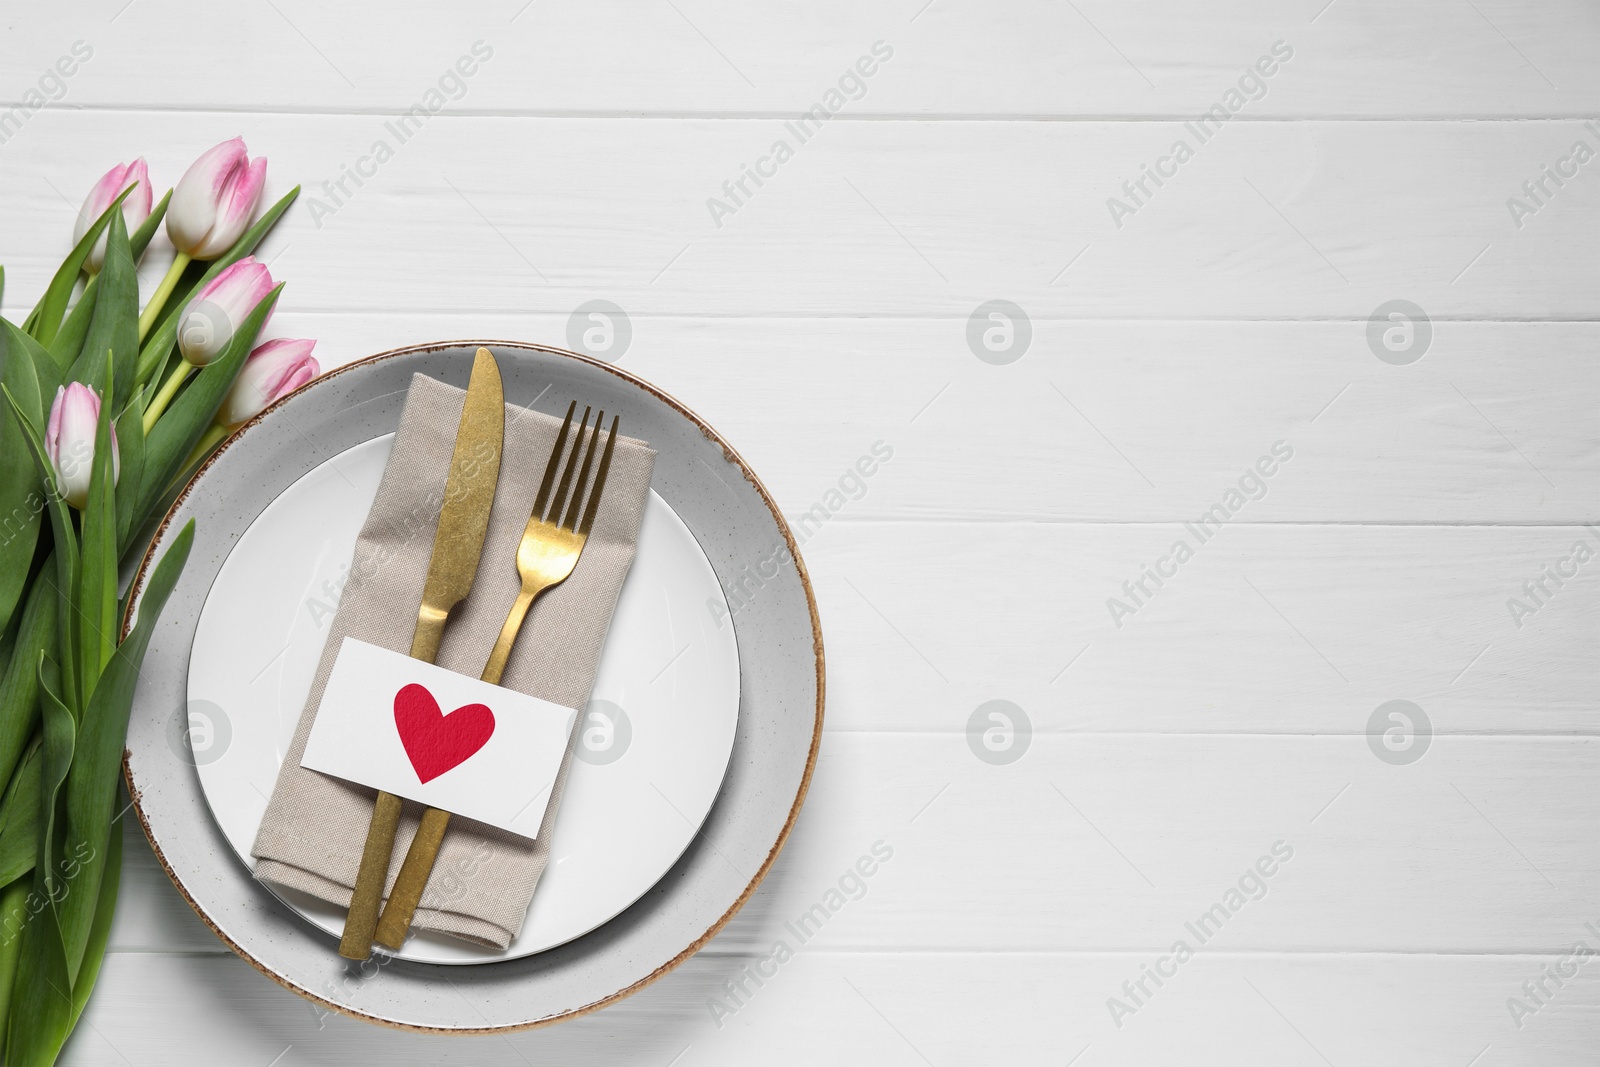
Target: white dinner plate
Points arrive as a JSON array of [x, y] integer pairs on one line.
[[653, 747], [737, 526]]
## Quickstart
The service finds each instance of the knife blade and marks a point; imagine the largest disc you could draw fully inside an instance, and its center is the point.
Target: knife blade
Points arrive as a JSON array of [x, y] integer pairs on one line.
[[452, 566]]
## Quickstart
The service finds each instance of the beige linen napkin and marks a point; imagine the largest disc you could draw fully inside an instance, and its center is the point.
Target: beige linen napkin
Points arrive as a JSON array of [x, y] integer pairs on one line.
[[312, 834]]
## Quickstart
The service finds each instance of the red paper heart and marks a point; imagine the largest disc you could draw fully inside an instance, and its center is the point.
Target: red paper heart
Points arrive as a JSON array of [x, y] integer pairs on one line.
[[437, 742]]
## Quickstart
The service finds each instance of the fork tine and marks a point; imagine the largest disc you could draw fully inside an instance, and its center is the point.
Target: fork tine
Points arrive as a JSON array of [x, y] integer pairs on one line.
[[555, 462], [572, 463], [575, 507], [599, 481]]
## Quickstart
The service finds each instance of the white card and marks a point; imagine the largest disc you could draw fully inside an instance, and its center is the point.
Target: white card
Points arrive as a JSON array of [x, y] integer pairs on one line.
[[452, 742]]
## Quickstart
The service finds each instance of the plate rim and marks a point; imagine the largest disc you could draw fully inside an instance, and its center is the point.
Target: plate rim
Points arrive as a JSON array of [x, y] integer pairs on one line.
[[136, 589]]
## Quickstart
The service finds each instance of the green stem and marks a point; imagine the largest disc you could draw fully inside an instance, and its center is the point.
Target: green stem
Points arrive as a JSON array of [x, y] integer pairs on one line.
[[169, 389], [158, 299], [202, 448], [208, 440]]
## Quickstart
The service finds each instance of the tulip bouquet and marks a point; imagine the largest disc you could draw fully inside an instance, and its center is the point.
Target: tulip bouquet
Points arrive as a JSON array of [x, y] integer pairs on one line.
[[105, 408]]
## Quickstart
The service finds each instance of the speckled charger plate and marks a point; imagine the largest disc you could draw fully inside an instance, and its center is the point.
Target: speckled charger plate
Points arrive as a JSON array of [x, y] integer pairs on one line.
[[780, 705]]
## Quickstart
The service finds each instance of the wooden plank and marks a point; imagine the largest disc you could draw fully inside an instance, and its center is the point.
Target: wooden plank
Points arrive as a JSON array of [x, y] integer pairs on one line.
[[1113, 842], [1267, 629], [893, 1008], [1267, 220], [1094, 58], [1105, 421], [151, 916]]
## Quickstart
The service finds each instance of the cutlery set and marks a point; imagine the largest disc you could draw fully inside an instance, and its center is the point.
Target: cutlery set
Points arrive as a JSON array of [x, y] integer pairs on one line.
[[563, 515], [263, 827]]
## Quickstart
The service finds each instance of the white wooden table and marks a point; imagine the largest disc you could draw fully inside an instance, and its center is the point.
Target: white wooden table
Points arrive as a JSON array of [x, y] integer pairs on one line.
[[1172, 341]]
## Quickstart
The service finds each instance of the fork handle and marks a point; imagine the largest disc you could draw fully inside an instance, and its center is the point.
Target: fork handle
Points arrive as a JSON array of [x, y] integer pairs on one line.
[[508, 636], [395, 921]]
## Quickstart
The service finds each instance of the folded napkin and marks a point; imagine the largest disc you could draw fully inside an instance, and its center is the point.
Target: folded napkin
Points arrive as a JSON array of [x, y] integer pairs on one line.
[[312, 834]]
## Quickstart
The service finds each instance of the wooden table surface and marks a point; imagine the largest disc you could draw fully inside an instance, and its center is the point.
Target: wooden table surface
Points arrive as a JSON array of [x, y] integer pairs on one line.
[[1177, 723]]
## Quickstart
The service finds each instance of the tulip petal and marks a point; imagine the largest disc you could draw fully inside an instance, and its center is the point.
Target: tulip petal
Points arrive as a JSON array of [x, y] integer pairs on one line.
[[197, 200], [273, 370], [236, 203], [212, 317], [135, 206], [105, 190], [69, 441], [52, 433]]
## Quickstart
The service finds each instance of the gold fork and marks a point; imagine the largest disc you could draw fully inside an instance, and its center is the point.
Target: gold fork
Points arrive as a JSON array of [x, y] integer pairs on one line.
[[551, 545]]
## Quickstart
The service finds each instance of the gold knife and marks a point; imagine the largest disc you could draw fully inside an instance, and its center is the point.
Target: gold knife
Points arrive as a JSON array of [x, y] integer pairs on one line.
[[457, 544]]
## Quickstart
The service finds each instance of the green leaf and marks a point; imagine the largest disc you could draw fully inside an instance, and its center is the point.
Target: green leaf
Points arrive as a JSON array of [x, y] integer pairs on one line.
[[44, 949], [97, 767], [68, 343], [145, 390], [19, 818], [13, 905], [159, 344], [31, 377], [65, 580], [139, 240], [179, 429], [130, 452], [115, 327], [100, 930], [41, 999], [44, 368], [97, 578], [19, 685], [8, 640], [46, 317], [58, 736]]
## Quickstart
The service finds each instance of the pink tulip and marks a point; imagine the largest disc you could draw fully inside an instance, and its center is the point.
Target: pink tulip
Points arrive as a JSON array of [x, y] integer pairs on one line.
[[218, 309], [274, 370], [213, 202], [69, 441], [135, 208]]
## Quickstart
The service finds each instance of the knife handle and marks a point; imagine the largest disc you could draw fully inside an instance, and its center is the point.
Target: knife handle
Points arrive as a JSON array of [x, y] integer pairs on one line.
[[430, 630], [395, 921], [362, 919]]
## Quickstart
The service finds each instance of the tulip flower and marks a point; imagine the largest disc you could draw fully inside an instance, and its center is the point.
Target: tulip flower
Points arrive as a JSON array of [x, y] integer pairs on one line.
[[272, 371], [215, 312], [210, 210], [135, 207], [275, 369], [209, 322], [69, 441], [214, 200]]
